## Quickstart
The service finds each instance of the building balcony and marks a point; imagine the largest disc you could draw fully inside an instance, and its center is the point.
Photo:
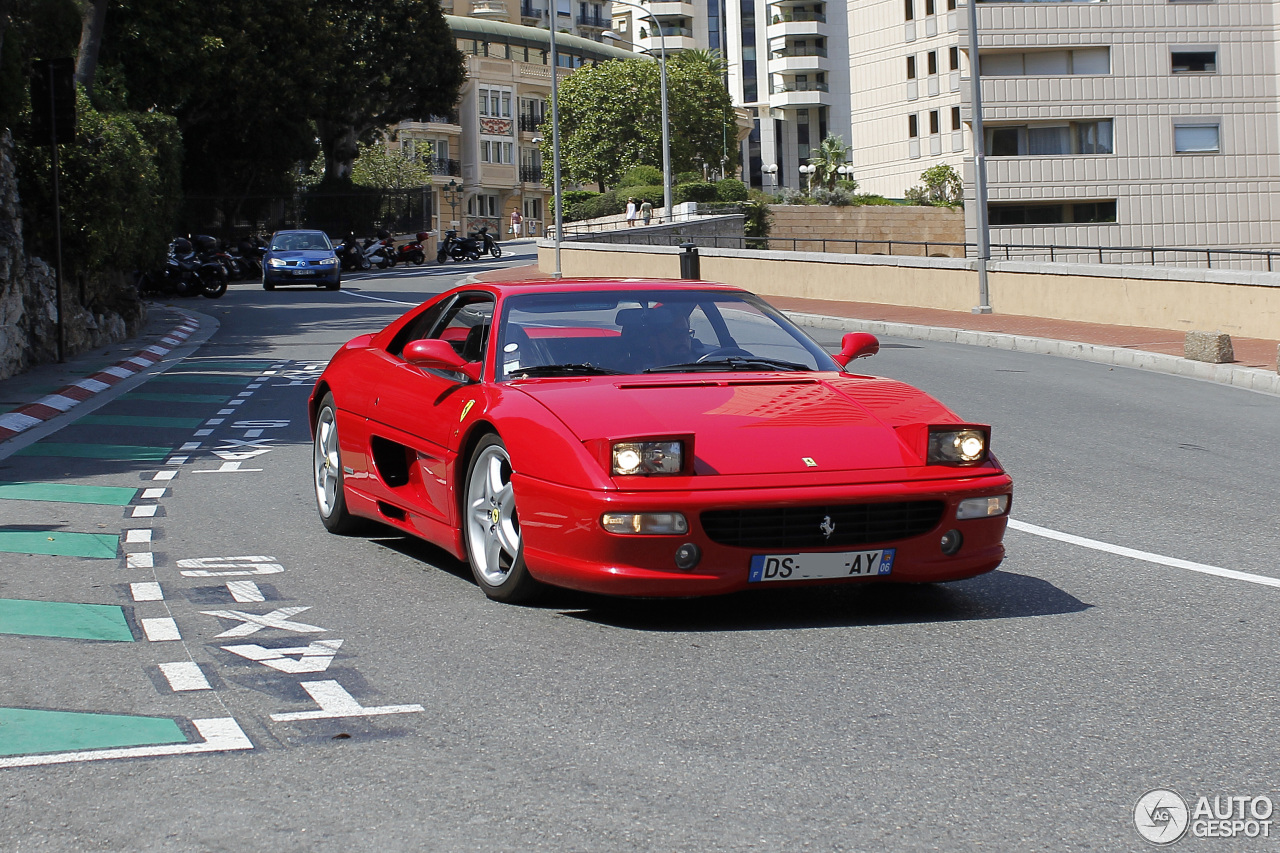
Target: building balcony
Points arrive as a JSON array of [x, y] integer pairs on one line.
[[447, 124], [667, 8], [674, 38], [594, 22], [530, 174], [796, 22], [489, 9], [530, 122], [443, 167], [798, 95], [798, 59], [531, 14]]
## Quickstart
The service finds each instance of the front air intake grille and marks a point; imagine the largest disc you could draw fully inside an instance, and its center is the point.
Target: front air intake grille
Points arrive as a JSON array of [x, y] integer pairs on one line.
[[805, 526]]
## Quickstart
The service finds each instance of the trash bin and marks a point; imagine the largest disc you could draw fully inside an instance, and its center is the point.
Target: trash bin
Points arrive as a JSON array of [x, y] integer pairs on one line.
[[690, 266]]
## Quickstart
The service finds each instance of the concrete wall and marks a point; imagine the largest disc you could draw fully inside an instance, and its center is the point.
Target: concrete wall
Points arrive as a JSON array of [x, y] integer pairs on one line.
[[727, 229], [807, 224], [1238, 303]]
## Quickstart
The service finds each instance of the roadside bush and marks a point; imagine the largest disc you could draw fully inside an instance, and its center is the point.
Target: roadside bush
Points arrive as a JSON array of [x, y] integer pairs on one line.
[[731, 189], [699, 192], [757, 223], [641, 176], [872, 199]]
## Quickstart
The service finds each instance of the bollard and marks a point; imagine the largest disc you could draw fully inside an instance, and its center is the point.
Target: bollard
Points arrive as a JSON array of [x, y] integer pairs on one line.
[[690, 266], [1212, 347]]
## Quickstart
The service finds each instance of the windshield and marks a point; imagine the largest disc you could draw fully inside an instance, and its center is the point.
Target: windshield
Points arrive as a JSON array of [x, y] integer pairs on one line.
[[299, 241], [631, 332]]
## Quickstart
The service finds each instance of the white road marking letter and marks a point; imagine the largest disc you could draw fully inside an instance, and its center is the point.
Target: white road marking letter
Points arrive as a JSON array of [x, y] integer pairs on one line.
[[160, 629], [335, 702], [243, 591], [229, 567], [252, 623], [184, 675], [146, 591], [314, 657]]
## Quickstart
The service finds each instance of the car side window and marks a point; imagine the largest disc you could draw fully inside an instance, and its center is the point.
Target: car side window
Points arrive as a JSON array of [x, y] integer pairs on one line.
[[418, 329], [466, 325]]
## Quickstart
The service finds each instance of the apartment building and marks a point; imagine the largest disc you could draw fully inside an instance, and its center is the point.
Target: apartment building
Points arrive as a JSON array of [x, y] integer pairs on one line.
[[1144, 123], [485, 155]]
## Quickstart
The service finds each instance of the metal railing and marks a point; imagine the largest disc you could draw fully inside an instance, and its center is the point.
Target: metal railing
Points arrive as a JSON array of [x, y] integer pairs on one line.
[[783, 88], [530, 122], [798, 51], [1202, 258], [597, 21], [531, 174], [444, 167], [790, 17], [528, 10]]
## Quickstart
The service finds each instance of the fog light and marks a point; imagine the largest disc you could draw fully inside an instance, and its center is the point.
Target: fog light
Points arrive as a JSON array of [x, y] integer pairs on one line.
[[982, 507], [645, 523], [687, 556], [951, 542]]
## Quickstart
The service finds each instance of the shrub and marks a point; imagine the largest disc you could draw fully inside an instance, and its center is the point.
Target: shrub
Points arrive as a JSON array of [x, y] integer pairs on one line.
[[872, 199], [699, 192], [688, 178], [731, 189], [641, 176], [756, 224], [836, 198]]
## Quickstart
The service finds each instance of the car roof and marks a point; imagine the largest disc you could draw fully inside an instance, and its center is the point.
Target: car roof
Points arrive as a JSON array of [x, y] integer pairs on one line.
[[597, 285]]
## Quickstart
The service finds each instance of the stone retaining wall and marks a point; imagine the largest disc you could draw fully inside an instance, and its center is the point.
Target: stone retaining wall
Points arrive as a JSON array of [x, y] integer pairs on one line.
[[800, 227]]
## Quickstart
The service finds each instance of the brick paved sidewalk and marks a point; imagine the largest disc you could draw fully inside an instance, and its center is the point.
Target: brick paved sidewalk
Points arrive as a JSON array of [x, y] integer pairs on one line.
[[1249, 352]]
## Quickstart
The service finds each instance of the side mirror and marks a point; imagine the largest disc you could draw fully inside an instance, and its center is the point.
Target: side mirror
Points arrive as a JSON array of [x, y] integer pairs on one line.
[[440, 355], [856, 345]]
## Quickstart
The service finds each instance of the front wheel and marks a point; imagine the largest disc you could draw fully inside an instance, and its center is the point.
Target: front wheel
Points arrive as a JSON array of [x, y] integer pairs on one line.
[[217, 286], [441, 255], [496, 249], [331, 501], [492, 526], [419, 258]]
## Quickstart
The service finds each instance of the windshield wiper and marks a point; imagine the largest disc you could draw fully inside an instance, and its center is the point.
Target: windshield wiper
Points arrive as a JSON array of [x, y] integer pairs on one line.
[[732, 362], [583, 369]]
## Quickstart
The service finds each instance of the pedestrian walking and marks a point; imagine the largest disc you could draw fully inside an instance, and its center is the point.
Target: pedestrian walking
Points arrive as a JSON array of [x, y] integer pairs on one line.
[[516, 222], [646, 211], [631, 212]]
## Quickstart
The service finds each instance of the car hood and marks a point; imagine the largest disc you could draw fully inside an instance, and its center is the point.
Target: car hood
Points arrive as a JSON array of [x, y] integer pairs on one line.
[[752, 425], [302, 254]]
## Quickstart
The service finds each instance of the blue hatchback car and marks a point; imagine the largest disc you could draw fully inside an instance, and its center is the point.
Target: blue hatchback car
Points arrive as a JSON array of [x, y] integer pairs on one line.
[[301, 257]]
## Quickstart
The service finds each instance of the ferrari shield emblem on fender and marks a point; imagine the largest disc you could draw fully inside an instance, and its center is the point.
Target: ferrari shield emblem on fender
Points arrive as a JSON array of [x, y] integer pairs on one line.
[[466, 409]]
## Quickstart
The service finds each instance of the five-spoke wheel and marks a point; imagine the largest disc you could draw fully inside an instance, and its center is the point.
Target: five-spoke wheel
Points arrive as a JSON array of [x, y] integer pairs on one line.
[[492, 525]]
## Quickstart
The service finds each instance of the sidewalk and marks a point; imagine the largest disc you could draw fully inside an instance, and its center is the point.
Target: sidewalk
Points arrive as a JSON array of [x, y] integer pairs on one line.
[[1130, 346]]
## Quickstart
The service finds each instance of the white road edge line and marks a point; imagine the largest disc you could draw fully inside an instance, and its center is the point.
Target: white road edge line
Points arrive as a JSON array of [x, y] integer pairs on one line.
[[220, 735], [1146, 556], [378, 298]]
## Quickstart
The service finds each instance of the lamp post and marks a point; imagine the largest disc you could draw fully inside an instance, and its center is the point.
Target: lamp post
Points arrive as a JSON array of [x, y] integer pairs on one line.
[[451, 196], [845, 172], [772, 171], [666, 137], [555, 134], [979, 165], [808, 171]]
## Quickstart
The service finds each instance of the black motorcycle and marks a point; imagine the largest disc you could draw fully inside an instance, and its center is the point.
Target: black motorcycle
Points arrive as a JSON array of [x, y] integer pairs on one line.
[[458, 248], [211, 267], [178, 276]]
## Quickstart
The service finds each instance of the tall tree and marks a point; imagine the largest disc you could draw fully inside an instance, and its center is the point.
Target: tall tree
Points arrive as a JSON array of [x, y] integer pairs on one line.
[[388, 60], [611, 118], [832, 153], [93, 22]]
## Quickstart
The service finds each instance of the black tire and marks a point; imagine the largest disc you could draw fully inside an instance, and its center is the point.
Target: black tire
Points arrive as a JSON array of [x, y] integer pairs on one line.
[[419, 258], [266, 285], [497, 250], [333, 285], [473, 255], [327, 474], [440, 256], [365, 263], [218, 286], [491, 526]]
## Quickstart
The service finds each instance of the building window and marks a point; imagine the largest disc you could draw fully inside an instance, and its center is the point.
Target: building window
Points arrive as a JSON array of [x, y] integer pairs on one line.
[[953, 58], [1065, 213], [951, 5], [911, 68], [1201, 138], [931, 61], [494, 103], [934, 124], [1194, 61], [911, 10], [1045, 140], [1087, 60], [955, 118], [913, 126], [928, 7]]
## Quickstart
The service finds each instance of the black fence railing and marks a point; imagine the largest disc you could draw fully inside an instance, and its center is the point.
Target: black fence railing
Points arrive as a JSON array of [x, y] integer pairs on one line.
[[531, 174], [1203, 258], [530, 122], [444, 167], [361, 212]]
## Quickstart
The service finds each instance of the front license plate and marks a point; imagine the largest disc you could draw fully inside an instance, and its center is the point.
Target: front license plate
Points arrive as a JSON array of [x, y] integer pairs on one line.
[[798, 567], [304, 272]]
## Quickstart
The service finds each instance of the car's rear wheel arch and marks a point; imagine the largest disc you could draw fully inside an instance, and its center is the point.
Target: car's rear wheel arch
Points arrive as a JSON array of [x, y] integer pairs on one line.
[[466, 450]]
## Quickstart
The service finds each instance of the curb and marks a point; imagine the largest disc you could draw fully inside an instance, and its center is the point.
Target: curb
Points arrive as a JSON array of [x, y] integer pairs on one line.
[[65, 398], [1237, 376]]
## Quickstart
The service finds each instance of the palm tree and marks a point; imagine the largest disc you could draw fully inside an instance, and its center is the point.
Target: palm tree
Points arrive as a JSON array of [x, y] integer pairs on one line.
[[831, 155]]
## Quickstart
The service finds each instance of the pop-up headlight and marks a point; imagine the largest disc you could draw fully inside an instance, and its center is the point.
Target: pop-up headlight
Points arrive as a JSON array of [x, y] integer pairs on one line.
[[952, 446], [647, 457]]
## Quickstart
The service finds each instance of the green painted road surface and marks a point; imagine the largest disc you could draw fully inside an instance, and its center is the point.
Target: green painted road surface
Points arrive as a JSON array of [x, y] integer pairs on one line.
[[230, 364], [141, 421], [117, 452], [67, 493], [65, 620], [28, 732], [177, 398], [56, 543]]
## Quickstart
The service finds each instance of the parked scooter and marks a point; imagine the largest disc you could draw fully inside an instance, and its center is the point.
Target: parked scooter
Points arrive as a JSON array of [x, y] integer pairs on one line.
[[412, 252], [487, 243], [177, 276], [379, 252], [458, 248], [351, 255], [211, 267]]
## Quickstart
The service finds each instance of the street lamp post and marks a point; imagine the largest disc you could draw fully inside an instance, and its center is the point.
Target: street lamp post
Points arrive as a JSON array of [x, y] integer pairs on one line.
[[451, 194], [772, 171], [845, 172], [979, 165], [666, 131], [808, 171], [555, 134]]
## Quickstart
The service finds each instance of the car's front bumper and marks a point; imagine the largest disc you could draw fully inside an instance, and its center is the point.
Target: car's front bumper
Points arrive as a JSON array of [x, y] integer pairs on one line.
[[565, 544], [301, 275]]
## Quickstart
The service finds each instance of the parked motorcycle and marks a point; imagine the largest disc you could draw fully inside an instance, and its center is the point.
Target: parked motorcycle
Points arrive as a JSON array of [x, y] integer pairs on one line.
[[351, 254], [211, 267], [412, 252], [458, 248], [487, 243], [379, 250]]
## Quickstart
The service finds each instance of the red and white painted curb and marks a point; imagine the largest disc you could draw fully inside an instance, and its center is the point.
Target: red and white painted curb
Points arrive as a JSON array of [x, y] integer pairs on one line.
[[62, 400]]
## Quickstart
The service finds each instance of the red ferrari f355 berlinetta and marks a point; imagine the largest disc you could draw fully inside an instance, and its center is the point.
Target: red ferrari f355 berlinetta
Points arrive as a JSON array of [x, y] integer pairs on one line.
[[647, 438]]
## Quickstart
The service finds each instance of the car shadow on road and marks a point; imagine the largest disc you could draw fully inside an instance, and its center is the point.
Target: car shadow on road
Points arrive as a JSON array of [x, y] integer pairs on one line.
[[998, 595]]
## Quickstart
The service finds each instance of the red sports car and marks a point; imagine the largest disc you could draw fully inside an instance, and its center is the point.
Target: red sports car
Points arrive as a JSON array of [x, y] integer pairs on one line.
[[647, 438]]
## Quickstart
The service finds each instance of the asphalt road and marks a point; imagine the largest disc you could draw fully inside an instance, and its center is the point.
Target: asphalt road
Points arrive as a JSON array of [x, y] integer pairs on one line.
[[1028, 709]]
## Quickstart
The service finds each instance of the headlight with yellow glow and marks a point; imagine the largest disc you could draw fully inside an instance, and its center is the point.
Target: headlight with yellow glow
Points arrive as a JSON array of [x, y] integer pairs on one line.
[[965, 446], [647, 457]]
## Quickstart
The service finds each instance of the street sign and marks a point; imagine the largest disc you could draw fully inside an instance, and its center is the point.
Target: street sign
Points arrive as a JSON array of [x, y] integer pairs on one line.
[[53, 101]]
